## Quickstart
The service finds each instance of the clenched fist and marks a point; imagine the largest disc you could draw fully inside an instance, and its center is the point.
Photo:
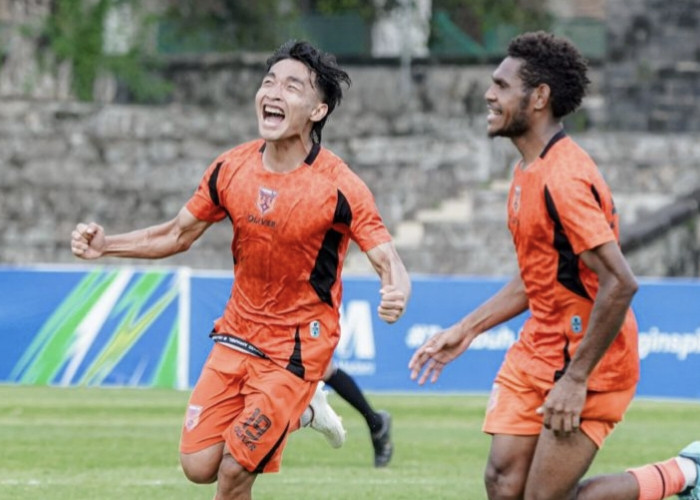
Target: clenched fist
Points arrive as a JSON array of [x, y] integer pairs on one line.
[[88, 241]]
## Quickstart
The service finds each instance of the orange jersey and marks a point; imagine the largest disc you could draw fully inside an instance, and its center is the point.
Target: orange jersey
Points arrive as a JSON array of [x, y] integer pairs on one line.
[[291, 233], [558, 207]]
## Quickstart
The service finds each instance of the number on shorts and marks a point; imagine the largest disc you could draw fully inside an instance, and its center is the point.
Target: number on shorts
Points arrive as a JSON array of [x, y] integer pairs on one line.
[[256, 425]]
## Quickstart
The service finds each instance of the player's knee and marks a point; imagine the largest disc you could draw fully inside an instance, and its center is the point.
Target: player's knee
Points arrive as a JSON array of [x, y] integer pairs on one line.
[[232, 472], [199, 471], [501, 485]]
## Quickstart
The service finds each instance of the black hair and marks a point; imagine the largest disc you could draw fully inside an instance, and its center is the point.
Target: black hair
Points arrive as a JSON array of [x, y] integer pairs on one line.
[[554, 61], [329, 76]]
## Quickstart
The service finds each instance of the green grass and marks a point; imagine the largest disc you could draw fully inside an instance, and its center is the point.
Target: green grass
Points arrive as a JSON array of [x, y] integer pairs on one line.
[[84, 443]]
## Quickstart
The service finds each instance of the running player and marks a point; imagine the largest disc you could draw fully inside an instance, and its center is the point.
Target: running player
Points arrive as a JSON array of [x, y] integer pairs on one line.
[[571, 375], [294, 207]]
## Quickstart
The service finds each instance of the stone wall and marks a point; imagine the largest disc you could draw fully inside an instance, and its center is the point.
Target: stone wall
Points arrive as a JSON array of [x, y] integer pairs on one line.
[[129, 166], [415, 135], [652, 74]]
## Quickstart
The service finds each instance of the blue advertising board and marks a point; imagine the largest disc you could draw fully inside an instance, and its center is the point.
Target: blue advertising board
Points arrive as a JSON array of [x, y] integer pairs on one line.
[[149, 327]]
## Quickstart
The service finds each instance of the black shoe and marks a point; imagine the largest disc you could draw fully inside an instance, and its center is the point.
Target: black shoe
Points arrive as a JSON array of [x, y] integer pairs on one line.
[[381, 440]]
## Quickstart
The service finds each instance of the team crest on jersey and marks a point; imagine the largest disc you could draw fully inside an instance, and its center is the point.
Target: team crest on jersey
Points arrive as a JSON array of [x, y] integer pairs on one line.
[[266, 199], [192, 416], [315, 329], [576, 324], [516, 198]]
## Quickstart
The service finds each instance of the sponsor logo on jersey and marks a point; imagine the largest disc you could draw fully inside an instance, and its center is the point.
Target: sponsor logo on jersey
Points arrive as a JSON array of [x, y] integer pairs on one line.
[[261, 221]]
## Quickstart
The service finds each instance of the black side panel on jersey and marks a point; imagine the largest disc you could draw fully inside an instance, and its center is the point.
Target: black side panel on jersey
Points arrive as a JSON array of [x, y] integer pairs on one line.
[[567, 267], [213, 191], [596, 196], [296, 365], [567, 359], [323, 275]]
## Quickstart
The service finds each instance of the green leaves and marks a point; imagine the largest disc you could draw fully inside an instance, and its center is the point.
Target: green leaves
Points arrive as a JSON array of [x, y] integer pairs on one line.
[[75, 32]]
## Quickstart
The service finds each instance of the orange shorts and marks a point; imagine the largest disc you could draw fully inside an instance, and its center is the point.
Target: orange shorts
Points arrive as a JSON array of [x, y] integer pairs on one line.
[[249, 403], [516, 395]]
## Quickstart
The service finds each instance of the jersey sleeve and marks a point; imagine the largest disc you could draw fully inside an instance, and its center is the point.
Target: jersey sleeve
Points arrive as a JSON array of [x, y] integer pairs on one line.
[[367, 228], [581, 212], [205, 202]]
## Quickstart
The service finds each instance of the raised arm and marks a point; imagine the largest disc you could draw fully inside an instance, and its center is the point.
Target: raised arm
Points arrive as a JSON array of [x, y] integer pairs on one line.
[[396, 284], [88, 241]]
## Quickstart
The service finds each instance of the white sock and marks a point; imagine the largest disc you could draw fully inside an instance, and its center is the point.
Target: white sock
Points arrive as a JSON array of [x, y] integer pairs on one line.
[[306, 417], [689, 469]]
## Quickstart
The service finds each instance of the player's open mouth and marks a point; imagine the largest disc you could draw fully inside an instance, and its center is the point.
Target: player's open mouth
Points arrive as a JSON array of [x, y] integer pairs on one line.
[[272, 115], [493, 114]]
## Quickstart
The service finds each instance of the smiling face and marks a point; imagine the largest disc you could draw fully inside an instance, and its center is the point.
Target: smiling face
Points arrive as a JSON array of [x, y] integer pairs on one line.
[[508, 102], [287, 102]]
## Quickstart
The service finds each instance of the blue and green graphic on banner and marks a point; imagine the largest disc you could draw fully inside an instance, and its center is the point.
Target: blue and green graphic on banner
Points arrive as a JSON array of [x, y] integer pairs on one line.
[[112, 327]]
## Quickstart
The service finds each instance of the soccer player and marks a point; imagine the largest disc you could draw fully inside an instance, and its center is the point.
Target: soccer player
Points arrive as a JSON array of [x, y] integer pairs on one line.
[[378, 422], [572, 373], [294, 207]]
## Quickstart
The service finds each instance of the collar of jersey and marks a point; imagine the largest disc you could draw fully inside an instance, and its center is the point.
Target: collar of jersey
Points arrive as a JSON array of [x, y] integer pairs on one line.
[[315, 149]]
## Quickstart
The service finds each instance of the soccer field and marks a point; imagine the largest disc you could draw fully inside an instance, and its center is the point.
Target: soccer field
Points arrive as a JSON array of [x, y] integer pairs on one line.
[[82, 443]]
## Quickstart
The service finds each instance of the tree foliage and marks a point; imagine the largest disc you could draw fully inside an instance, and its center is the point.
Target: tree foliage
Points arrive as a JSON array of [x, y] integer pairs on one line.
[[75, 32], [232, 24], [476, 17]]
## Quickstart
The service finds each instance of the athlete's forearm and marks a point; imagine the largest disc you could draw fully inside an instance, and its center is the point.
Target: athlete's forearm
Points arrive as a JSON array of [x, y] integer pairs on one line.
[[155, 242], [609, 310], [390, 268], [398, 274], [506, 304], [149, 243]]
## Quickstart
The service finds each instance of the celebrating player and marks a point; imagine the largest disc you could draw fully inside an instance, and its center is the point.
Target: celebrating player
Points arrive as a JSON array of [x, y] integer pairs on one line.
[[294, 207], [572, 373]]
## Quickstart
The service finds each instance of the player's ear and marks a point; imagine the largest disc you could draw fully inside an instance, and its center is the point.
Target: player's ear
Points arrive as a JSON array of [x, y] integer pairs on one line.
[[319, 112], [540, 96]]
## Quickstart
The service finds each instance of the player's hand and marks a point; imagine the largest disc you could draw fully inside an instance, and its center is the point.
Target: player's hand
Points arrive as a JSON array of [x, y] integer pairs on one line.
[[436, 352], [88, 241], [392, 304], [562, 408]]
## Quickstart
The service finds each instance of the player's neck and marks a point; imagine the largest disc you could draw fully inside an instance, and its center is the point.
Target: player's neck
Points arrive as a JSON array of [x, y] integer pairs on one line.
[[285, 155], [532, 143]]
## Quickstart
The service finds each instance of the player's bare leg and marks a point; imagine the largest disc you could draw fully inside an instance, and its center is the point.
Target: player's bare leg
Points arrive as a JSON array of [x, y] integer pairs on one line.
[[508, 466], [676, 476], [614, 487], [234, 481], [558, 464], [202, 467]]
